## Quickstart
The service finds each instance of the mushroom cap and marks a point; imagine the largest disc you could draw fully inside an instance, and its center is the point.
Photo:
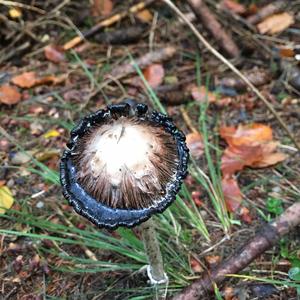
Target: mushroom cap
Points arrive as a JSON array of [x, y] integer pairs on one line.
[[123, 164]]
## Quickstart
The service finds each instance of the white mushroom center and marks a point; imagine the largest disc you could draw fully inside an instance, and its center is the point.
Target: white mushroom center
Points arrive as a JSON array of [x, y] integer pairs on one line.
[[122, 147]]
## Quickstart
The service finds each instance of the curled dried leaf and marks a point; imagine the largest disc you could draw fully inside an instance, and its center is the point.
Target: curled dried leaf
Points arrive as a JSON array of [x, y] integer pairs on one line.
[[154, 74], [232, 193], [194, 142], [276, 23], [54, 53], [9, 95]]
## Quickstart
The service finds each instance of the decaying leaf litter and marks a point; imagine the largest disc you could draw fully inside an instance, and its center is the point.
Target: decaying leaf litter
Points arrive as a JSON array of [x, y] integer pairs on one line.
[[244, 169]]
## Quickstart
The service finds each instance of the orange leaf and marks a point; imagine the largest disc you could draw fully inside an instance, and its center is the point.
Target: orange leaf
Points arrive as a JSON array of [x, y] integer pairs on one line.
[[269, 159], [145, 15], [213, 260], [276, 23], [229, 293], [245, 215], [154, 74], [25, 80], [201, 94], [249, 145], [194, 142], [232, 194], [233, 6], [102, 8], [54, 53], [9, 95], [196, 266], [29, 79], [246, 134], [237, 158]]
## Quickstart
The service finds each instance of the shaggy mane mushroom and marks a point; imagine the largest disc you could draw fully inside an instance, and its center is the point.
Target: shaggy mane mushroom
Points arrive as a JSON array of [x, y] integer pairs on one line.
[[124, 164]]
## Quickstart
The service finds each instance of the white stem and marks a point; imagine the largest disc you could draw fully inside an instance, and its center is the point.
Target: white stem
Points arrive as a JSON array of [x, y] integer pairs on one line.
[[155, 269]]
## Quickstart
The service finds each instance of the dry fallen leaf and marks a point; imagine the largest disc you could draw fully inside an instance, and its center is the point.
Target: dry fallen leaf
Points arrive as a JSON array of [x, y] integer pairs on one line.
[[196, 266], [234, 6], [9, 95], [237, 158], [54, 53], [145, 15], [229, 293], [245, 215], [25, 80], [276, 23], [102, 8], [194, 142], [201, 94], [154, 74], [249, 145], [51, 133], [15, 13], [246, 134], [232, 194], [30, 79], [6, 199], [213, 260]]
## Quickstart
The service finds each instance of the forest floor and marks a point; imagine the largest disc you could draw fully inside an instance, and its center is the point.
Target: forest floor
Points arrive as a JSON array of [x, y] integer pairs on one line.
[[243, 139]]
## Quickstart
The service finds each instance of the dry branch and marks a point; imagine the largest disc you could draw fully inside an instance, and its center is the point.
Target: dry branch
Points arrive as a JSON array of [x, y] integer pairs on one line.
[[266, 11], [105, 23], [210, 22], [143, 61], [267, 237]]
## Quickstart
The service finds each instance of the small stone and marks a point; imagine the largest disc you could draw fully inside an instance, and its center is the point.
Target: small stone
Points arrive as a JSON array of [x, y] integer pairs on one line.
[[40, 204], [4, 145], [20, 158]]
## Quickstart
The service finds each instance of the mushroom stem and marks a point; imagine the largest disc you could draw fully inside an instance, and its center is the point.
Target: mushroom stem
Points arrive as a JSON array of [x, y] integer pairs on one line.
[[155, 269]]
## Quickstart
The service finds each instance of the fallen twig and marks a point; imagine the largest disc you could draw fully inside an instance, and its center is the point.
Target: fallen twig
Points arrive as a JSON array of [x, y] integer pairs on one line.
[[266, 11], [143, 61], [210, 22], [267, 237], [105, 23], [234, 69]]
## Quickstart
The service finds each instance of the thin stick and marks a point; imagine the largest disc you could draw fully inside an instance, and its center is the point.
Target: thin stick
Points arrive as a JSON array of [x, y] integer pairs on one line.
[[105, 23], [211, 23], [156, 271], [234, 70], [268, 236]]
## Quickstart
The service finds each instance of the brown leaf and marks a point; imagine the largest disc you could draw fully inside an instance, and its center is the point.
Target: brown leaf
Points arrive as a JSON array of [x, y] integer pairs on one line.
[[212, 260], [196, 197], [232, 193], [287, 52], [196, 266], [237, 158], [25, 80], [194, 142], [144, 15], [201, 94], [234, 6], [9, 95], [249, 145], [29, 80], [102, 8], [276, 23], [228, 293], [269, 159], [154, 74], [54, 53], [246, 134], [245, 215]]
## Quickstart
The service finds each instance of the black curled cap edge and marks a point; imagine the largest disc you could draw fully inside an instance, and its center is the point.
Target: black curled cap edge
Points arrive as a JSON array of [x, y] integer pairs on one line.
[[96, 212]]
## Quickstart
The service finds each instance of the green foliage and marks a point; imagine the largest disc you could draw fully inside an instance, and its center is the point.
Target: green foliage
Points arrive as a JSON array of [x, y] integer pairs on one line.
[[274, 206]]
